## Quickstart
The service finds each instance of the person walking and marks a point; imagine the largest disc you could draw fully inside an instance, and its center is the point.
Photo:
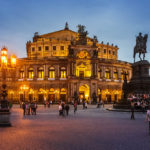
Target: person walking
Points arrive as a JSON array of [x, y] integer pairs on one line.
[[75, 107], [83, 103], [132, 110], [86, 104], [32, 108], [148, 117], [67, 109], [35, 107], [60, 109], [63, 108], [143, 106], [24, 108]]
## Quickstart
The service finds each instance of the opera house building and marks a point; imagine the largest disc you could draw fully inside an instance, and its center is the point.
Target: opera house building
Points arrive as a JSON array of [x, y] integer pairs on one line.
[[62, 64]]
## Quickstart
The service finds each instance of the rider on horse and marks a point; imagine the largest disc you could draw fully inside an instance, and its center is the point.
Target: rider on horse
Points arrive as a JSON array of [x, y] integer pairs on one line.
[[140, 46]]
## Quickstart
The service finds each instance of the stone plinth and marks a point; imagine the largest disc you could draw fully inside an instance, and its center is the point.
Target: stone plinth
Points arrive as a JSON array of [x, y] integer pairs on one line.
[[4, 117], [140, 81], [123, 104]]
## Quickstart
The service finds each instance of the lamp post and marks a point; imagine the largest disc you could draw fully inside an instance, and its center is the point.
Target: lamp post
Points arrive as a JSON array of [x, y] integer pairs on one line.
[[4, 109]]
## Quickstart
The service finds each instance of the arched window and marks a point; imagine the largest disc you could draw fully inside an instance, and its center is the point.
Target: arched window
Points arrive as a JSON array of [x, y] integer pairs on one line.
[[52, 91], [99, 73], [40, 72], [63, 72], [115, 75], [107, 74], [21, 73], [63, 91], [51, 72], [122, 75], [30, 73]]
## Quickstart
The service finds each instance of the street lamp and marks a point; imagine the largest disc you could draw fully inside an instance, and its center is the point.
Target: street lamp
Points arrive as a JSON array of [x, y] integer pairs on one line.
[[24, 88], [5, 64]]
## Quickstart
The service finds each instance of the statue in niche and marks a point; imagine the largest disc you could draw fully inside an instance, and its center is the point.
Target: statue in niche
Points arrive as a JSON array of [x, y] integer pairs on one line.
[[140, 46]]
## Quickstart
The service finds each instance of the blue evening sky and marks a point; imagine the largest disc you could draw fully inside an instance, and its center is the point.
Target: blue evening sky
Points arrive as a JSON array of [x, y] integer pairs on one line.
[[113, 21]]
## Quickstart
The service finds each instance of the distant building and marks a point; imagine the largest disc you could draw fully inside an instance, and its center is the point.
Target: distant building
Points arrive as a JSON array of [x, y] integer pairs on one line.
[[63, 63]]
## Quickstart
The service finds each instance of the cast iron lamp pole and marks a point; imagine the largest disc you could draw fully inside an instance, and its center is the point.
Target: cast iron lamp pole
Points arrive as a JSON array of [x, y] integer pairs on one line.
[[4, 109]]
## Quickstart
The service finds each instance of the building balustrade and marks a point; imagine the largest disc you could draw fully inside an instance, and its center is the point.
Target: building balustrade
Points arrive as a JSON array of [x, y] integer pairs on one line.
[[108, 80], [51, 78], [63, 78], [20, 79], [30, 79], [116, 80], [40, 79]]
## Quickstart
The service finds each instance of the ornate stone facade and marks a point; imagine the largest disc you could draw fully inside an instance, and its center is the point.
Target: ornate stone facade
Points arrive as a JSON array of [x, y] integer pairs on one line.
[[60, 64]]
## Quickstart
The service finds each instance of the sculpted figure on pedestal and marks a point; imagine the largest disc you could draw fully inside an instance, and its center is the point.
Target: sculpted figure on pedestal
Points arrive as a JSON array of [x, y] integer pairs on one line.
[[140, 46]]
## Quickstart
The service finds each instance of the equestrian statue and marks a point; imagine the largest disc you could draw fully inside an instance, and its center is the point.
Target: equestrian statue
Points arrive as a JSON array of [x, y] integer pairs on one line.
[[140, 46]]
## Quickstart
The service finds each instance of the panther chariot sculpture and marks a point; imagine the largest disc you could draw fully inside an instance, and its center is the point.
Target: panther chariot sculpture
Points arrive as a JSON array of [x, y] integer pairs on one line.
[[140, 46]]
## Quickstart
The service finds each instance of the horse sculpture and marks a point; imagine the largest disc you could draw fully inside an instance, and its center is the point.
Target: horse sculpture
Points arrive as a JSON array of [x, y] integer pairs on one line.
[[140, 46]]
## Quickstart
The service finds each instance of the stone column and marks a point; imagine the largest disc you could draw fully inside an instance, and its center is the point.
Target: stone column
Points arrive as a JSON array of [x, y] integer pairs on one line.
[[119, 74], [103, 72]]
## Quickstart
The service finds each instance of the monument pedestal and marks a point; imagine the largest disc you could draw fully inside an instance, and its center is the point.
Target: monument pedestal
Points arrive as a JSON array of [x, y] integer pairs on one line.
[[4, 118], [140, 81], [123, 104]]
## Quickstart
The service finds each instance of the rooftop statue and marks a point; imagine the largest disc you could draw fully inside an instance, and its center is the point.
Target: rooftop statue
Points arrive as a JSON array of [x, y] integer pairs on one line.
[[81, 30], [95, 40], [66, 26], [140, 46]]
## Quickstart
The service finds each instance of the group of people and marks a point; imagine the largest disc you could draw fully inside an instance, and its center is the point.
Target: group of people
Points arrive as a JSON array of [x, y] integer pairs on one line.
[[29, 108], [63, 109], [47, 104]]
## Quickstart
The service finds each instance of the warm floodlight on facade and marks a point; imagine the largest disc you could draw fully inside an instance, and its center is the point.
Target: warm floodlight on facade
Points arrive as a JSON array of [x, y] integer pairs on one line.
[[13, 60], [4, 57]]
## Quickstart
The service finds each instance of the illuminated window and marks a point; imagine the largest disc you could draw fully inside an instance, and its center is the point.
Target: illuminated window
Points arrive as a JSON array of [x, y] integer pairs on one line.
[[30, 73], [40, 73], [107, 74], [21, 74], [51, 72], [99, 74], [63, 72], [46, 48], [54, 48], [115, 75], [61, 47]]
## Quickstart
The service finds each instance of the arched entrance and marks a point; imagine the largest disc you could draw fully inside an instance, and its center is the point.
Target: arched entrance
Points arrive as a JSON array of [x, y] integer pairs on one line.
[[84, 92]]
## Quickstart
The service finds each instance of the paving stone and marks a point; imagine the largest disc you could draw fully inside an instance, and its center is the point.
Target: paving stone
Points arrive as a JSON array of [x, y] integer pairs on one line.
[[90, 129]]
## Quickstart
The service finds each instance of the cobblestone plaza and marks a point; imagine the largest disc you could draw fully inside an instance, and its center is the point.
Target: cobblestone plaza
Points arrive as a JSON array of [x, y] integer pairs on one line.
[[90, 129]]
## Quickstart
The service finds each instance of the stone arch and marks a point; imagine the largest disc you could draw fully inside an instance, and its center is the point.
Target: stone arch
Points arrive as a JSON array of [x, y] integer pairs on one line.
[[84, 92]]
